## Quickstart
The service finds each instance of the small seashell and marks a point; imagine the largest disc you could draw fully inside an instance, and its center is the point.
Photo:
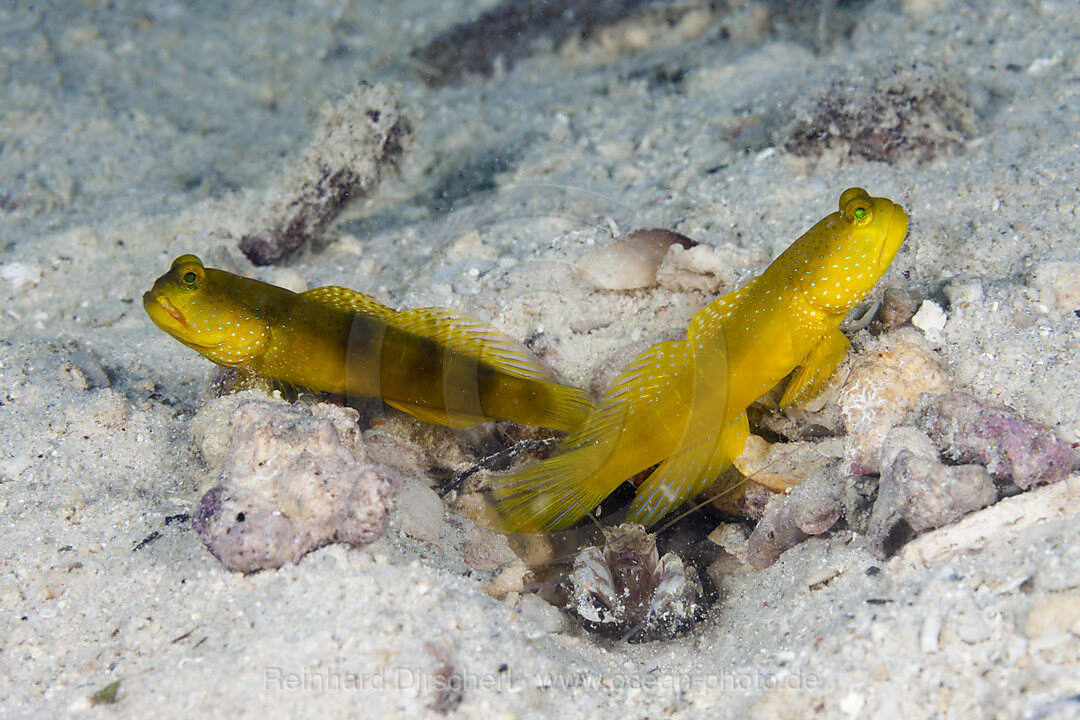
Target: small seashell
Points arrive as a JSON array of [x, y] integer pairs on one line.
[[631, 262], [706, 269], [779, 466]]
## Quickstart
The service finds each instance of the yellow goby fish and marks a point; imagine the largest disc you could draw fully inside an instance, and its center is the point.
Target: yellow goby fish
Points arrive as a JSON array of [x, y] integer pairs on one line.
[[683, 404], [429, 362]]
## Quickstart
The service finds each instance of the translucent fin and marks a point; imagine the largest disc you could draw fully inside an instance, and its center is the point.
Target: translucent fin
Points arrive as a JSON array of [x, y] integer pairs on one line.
[[563, 407], [446, 327], [684, 475], [559, 406], [816, 368], [346, 299], [487, 344], [709, 320], [668, 392], [642, 381], [550, 495], [555, 493], [437, 416], [569, 408]]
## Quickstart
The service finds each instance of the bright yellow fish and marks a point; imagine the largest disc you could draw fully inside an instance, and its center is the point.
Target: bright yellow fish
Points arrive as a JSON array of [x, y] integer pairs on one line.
[[683, 404], [430, 362]]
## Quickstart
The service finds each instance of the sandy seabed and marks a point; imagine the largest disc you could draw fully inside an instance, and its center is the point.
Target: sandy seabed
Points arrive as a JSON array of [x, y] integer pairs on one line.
[[133, 133]]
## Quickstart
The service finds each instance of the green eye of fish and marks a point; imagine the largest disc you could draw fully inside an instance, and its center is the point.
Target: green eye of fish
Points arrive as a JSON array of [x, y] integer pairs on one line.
[[191, 279], [857, 212]]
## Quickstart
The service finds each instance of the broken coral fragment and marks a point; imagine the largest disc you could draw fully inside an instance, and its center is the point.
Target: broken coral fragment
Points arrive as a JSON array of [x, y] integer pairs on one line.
[[292, 479], [809, 509], [779, 466], [913, 113], [898, 306], [997, 436], [358, 138], [931, 494], [917, 493], [882, 388], [510, 31], [624, 589], [419, 511], [706, 269]]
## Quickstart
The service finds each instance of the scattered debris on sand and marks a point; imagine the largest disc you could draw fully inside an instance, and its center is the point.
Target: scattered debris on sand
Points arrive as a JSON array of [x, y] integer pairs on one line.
[[912, 113]]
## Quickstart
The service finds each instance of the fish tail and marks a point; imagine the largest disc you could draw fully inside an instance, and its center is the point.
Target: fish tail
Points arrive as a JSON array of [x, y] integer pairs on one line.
[[567, 408], [552, 494], [655, 408]]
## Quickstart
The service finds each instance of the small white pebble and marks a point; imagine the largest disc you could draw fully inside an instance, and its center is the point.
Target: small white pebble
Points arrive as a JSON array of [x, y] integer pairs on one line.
[[19, 275], [852, 703], [930, 318], [1040, 65], [931, 631]]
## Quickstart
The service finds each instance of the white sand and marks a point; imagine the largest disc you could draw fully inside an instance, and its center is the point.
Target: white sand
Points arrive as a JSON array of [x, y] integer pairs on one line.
[[131, 135]]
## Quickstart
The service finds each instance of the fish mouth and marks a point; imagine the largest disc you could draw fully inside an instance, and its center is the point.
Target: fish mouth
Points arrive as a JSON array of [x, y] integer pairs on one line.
[[169, 318], [156, 303], [898, 215]]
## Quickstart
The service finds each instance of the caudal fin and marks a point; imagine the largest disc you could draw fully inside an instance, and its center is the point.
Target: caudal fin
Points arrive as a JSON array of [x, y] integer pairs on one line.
[[567, 407], [549, 495], [554, 494]]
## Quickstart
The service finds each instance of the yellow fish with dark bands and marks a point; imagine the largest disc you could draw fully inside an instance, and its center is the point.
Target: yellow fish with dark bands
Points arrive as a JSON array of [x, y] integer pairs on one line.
[[683, 404], [429, 362]]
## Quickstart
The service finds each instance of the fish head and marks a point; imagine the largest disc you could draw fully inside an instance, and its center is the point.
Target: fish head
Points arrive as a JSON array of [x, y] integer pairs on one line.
[[207, 310], [847, 252]]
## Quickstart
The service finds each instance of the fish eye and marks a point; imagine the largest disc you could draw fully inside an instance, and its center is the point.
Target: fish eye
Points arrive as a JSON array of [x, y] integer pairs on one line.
[[858, 212], [192, 278]]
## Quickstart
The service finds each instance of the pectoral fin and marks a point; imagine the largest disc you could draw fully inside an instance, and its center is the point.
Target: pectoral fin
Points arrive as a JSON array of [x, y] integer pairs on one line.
[[818, 366]]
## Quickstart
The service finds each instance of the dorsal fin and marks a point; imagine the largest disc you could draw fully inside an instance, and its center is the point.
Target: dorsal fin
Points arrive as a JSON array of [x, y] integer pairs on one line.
[[345, 299], [462, 334], [708, 319], [446, 327]]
